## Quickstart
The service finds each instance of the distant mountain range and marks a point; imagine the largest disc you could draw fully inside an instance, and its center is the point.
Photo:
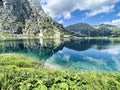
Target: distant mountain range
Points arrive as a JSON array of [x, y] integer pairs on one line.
[[84, 29]]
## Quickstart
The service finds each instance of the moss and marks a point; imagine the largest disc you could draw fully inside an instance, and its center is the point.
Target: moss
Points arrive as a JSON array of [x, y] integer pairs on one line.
[[22, 73]]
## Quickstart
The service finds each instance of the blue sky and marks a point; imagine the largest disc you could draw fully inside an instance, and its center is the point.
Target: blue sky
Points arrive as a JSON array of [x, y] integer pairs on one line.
[[93, 12]]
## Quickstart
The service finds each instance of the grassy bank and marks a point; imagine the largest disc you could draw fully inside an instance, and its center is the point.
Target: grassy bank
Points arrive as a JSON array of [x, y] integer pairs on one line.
[[4, 35], [19, 72]]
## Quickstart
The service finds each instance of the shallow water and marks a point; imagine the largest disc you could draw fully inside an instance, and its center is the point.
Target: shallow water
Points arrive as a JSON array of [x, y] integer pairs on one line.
[[77, 54]]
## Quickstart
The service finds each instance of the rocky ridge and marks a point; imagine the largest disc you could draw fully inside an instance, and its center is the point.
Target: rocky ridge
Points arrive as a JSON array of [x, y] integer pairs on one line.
[[27, 18], [86, 30]]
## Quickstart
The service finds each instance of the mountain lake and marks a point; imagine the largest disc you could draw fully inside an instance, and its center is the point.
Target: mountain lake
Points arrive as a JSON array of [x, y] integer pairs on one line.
[[102, 55]]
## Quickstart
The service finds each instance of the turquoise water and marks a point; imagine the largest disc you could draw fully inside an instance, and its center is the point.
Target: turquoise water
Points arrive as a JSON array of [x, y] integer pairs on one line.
[[78, 54]]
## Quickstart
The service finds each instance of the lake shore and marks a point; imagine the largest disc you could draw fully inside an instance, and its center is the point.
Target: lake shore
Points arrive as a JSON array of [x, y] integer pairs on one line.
[[19, 72], [73, 37]]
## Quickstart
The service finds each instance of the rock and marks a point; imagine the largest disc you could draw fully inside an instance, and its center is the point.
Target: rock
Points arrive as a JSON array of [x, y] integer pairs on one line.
[[26, 17]]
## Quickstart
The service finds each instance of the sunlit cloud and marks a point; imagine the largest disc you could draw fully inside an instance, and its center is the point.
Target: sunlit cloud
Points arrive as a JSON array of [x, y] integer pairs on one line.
[[64, 8]]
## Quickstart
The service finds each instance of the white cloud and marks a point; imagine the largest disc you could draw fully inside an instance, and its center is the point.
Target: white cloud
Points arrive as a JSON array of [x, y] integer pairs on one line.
[[59, 8], [118, 14], [67, 16], [103, 9], [60, 21], [113, 22]]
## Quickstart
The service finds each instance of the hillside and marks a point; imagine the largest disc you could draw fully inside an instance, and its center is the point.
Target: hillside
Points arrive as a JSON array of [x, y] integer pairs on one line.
[[84, 29], [113, 28], [81, 29], [27, 18]]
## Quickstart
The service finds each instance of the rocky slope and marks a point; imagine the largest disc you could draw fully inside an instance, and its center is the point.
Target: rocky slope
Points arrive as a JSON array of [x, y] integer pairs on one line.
[[27, 18], [81, 29], [113, 28], [84, 29]]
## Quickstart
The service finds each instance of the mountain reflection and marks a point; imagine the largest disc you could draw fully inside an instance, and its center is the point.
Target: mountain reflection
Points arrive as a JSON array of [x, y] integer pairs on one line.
[[80, 54], [36, 47]]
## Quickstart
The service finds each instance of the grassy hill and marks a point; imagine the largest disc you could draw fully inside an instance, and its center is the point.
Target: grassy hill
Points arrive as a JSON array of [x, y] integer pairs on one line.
[[22, 73]]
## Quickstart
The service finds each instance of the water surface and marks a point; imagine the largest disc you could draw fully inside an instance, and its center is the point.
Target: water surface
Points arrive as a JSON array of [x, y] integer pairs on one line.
[[81, 54]]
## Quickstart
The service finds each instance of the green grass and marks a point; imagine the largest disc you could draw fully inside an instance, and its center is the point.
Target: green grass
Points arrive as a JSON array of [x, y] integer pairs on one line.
[[19, 72], [51, 34], [30, 36], [4, 35]]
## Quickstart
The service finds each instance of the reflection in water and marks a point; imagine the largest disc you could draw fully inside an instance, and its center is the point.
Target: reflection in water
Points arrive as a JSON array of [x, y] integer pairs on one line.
[[37, 48], [80, 54]]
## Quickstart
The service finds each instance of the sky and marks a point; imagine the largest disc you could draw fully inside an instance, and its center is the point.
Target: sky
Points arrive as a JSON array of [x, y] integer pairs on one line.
[[93, 12]]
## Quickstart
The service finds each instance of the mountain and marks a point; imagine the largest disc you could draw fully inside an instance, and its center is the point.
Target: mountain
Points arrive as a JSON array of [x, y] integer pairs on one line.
[[23, 18], [84, 29], [81, 29], [113, 28]]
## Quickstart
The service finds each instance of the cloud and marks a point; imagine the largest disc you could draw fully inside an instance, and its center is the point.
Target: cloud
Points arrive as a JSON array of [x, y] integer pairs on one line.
[[113, 22], [59, 8], [103, 9], [60, 21], [67, 16], [118, 14]]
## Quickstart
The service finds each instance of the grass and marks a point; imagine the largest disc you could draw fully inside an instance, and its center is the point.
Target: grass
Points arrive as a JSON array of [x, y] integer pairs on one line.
[[19, 72], [51, 34], [4, 35], [30, 36]]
